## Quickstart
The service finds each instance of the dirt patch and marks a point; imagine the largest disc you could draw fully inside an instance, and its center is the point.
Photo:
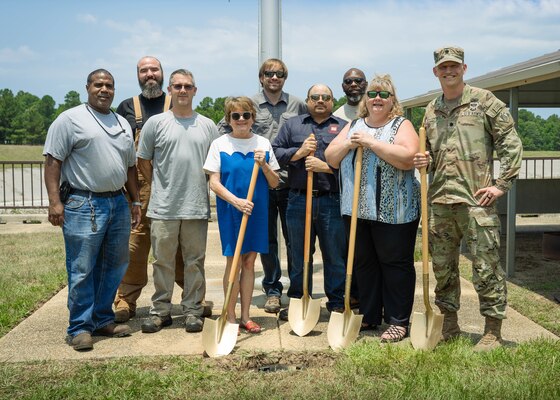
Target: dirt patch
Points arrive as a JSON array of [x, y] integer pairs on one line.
[[260, 361]]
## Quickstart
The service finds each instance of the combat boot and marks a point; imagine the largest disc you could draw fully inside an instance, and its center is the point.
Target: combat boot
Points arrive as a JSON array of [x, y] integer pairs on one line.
[[450, 329], [492, 338]]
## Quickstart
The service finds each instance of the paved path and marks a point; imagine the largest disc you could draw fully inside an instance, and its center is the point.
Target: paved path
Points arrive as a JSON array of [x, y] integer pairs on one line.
[[41, 335]]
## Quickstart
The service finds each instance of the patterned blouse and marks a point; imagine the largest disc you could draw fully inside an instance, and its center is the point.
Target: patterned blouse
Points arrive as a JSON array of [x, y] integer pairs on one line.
[[387, 194]]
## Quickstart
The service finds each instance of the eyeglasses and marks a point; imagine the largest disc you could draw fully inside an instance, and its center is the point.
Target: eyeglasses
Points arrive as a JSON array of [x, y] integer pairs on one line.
[[357, 81], [384, 94], [236, 116], [279, 74], [324, 97], [178, 86]]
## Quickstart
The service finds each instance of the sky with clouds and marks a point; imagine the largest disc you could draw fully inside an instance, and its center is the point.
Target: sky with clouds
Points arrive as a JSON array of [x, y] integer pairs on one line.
[[49, 47]]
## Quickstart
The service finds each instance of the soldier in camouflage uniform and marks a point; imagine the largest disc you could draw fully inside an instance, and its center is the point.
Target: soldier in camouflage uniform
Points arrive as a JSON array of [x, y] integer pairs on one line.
[[464, 127]]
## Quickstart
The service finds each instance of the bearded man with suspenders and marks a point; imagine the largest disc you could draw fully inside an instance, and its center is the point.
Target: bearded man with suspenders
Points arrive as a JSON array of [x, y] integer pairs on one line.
[[137, 110]]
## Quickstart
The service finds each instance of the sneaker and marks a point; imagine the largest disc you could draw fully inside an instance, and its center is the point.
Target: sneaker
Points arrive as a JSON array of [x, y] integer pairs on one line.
[[272, 304], [155, 322], [113, 330], [283, 315], [80, 342], [123, 315], [193, 323]]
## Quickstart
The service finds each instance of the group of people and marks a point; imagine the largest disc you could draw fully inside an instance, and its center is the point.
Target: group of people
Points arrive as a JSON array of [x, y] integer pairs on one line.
[[91, 170]]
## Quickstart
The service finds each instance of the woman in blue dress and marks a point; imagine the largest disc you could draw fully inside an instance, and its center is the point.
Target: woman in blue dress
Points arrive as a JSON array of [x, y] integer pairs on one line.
[[229, 165]]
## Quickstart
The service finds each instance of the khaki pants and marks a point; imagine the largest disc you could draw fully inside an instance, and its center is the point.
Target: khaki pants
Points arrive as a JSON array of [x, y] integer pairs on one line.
[[139, 245], [190, 236]]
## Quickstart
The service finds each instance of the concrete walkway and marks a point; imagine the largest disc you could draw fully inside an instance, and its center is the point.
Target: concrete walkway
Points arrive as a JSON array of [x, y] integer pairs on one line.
[[41, 335]]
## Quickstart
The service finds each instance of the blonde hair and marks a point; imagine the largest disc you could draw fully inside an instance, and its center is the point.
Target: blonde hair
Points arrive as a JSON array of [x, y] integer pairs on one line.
[[381, 82], [241, 102]]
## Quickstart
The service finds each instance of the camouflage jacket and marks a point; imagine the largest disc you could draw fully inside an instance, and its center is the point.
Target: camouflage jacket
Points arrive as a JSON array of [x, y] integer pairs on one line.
[[461, 143]]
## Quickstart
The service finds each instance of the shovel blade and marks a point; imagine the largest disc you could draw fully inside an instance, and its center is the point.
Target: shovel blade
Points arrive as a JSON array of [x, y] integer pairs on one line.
[[303, 315], [216, 343], [343, 329], [425, 330]]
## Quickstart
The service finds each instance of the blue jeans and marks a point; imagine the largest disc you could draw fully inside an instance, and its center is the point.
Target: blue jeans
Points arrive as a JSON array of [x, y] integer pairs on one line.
[[96, 232], [328, 226], [277, 204]]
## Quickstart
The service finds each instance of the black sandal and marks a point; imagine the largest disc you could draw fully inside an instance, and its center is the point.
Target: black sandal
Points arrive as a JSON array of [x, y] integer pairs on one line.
[[394, 333]]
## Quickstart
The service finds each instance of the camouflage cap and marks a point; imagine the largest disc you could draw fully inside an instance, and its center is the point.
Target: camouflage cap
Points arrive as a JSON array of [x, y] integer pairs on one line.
[[455, 54]]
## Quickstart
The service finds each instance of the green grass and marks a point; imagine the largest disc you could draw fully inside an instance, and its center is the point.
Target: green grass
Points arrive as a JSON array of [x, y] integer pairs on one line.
[[31, 270], [10, 152], [367, 370]]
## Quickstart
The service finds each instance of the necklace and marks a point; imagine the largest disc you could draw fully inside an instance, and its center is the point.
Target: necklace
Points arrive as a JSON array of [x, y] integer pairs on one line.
[[102, 127]]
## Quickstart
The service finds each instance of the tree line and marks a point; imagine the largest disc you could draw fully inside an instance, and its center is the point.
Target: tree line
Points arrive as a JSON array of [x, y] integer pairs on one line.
[[25, 119]]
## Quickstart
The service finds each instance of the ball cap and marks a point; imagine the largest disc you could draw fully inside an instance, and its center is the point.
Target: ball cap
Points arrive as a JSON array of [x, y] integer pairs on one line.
[[455, 54]]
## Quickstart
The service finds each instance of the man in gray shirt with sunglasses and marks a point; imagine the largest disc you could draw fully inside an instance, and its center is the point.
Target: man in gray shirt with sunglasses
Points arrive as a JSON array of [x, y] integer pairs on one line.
[[274, 107]]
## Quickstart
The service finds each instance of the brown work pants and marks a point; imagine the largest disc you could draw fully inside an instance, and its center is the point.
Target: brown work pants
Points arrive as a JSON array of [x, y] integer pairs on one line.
[[139, 245]]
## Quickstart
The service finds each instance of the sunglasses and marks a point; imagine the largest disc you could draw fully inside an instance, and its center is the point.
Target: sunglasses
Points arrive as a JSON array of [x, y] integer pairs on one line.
[[178, 86], [357, 81], [384, 94], [279, 74], [236, 116], [316, 97]]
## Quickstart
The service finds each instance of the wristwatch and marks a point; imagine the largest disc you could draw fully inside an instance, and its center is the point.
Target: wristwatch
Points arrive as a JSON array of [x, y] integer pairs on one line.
[[136, 203]]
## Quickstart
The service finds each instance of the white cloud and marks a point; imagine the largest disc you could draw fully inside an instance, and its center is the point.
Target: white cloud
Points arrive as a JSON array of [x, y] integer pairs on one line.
[[17, 55], [87, 18]]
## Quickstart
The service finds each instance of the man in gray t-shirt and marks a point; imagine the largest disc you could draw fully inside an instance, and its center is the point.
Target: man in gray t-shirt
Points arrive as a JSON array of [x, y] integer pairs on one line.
[[91, 149], [171, 153]]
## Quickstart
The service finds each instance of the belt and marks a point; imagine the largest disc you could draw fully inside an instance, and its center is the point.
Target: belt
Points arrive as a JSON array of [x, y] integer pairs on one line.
[[86, 193], [314, 193]]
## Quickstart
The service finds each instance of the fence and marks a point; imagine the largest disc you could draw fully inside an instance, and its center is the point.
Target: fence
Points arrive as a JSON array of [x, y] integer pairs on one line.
[[22, 184]]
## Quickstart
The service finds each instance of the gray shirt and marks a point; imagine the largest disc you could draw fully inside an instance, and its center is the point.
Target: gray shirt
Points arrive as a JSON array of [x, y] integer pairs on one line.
[[96, 149], [177, 148]]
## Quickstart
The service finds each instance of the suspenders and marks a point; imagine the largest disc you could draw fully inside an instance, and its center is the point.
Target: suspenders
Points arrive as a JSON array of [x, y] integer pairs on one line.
[[138, 114]]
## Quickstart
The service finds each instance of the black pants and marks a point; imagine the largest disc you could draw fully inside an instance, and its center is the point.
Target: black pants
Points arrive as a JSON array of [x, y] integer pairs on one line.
[[384, 268]]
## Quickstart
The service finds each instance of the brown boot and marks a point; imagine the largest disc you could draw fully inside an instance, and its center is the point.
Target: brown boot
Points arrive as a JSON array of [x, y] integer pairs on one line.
[[492, 338], [450, 329]]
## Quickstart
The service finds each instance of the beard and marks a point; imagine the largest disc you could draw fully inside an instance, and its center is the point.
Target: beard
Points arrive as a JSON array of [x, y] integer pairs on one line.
[[151, 90], [354, 98]]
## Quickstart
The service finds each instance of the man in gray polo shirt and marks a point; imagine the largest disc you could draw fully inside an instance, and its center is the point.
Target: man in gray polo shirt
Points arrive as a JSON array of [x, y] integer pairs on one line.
[[172, 150]]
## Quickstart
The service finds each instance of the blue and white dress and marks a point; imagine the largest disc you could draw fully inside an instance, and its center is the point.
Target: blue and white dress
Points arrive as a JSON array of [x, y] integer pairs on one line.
[[234, 158]]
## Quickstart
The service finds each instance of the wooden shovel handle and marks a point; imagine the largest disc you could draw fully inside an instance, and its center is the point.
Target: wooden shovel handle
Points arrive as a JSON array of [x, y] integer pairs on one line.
[[307, 232], [353, 224], [424, 204]]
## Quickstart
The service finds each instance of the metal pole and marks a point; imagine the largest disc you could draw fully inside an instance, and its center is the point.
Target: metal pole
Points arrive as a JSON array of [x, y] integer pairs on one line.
[[270, 30]]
